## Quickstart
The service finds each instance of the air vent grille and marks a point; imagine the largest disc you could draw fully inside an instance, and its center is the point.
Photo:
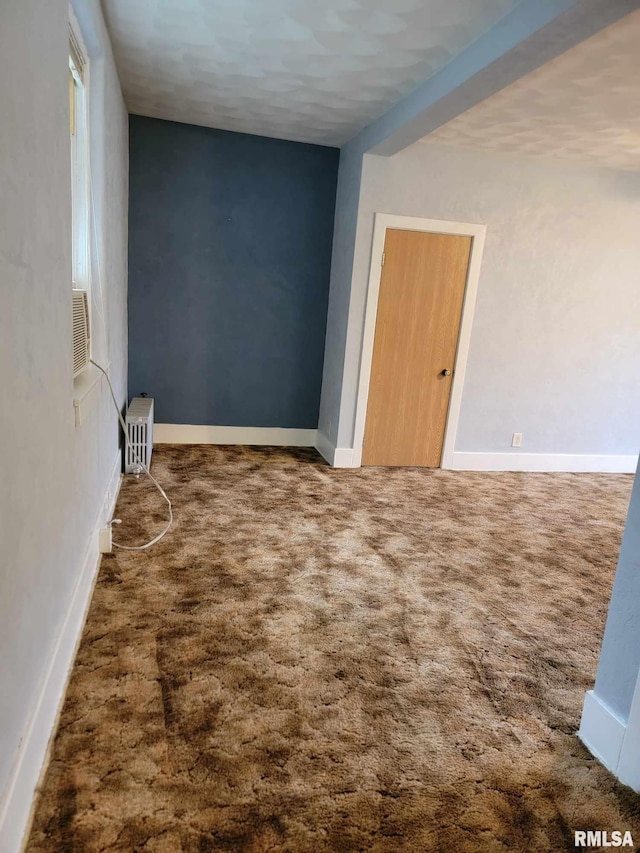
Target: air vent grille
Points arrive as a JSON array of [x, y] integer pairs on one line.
[[80, 331]]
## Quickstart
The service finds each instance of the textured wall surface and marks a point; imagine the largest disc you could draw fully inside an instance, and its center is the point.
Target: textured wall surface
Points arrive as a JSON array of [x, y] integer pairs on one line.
[[293, 69], [583, 105], [54, 475], [346, 218], [230, 249], [555, 349], [523, 40]]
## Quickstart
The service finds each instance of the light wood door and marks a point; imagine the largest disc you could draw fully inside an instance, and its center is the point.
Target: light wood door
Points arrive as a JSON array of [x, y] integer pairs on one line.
[[417, 326]]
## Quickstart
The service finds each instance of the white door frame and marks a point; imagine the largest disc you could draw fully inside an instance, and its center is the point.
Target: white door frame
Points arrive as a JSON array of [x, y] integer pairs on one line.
[[437, 226]]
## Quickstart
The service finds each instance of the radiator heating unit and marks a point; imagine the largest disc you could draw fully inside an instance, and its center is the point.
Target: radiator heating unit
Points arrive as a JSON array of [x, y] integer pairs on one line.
[[139, 421]]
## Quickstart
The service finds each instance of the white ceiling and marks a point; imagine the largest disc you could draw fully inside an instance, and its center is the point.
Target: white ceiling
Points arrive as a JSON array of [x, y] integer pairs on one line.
[[306, 70], [583, 106]]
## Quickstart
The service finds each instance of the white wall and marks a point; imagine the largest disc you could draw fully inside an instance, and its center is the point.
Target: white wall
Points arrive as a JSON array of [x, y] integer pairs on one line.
[[54, 475], [530, 35], [338, 320], [610, 725], [555, 348], [619, 663]]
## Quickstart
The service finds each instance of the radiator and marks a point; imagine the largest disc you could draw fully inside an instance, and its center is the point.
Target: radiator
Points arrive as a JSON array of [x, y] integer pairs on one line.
[[140, 433]]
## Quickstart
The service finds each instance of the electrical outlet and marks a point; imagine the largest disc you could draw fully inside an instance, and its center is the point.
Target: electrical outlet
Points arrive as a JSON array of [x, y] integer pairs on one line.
[[516, 440], [105, 543]]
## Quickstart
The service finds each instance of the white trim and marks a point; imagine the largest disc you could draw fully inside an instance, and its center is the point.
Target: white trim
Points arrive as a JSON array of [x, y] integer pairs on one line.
[[204, 434], [81, 160], [437, 226], [32, 758], [344, 457], [83, 384], [601, 731], [628, 770], [338, 457], [75, 30], [612, 741], [571, 462]]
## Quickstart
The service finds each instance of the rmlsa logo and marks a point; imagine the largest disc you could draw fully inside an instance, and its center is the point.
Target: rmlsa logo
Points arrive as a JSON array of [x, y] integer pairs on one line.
[[602, 839]]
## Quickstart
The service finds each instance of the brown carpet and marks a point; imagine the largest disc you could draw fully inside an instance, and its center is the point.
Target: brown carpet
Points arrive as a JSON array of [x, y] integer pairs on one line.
[[323, 660]]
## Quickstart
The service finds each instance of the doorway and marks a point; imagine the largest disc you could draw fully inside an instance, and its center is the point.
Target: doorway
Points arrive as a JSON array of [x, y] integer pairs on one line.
[[420, 303]]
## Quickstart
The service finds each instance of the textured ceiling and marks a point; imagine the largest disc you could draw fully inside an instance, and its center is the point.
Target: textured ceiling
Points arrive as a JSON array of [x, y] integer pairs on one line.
[[307, 70], [584, 106]]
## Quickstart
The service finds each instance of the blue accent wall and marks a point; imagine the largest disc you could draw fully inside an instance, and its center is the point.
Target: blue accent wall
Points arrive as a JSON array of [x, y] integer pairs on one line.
[[229, 259]]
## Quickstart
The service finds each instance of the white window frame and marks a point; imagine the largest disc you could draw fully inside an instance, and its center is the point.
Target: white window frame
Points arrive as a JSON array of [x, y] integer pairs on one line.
[[80, 162]]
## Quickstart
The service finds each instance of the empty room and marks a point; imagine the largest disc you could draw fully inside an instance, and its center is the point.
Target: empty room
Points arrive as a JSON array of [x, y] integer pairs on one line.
[[320, 346]]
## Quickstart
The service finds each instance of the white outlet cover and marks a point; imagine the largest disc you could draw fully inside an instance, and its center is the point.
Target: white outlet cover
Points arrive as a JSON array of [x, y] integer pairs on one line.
[[105, 545]]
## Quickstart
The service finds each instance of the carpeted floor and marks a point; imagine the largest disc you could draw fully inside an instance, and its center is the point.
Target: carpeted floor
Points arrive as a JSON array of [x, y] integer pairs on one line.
[[322, 660]]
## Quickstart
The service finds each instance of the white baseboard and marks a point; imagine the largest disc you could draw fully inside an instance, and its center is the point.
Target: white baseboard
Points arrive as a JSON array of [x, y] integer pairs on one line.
[[601, 731], [204, 434], [612, 741], [544, 462], [343, 458], [338, 457], [347, 457], [18, 800]]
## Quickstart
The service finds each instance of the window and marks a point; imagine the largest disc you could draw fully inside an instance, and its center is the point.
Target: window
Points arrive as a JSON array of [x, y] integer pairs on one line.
[[80, 203], [78, 127]]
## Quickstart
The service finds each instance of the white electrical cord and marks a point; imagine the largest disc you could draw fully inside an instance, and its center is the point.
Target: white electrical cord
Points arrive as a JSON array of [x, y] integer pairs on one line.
[[98, 303], [143, 467]]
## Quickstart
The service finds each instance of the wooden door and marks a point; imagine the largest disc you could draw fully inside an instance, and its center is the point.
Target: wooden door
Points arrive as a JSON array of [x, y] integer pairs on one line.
[[418, 321]]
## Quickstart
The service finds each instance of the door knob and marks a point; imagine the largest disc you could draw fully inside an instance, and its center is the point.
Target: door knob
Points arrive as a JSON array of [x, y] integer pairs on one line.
[[445, 372]]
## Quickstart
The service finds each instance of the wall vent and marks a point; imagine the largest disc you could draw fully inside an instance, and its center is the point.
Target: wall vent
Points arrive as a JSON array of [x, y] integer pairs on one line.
[[140, 432], [81, 353]]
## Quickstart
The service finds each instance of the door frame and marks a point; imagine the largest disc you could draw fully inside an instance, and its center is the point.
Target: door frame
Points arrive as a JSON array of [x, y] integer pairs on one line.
[[437, 226]]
